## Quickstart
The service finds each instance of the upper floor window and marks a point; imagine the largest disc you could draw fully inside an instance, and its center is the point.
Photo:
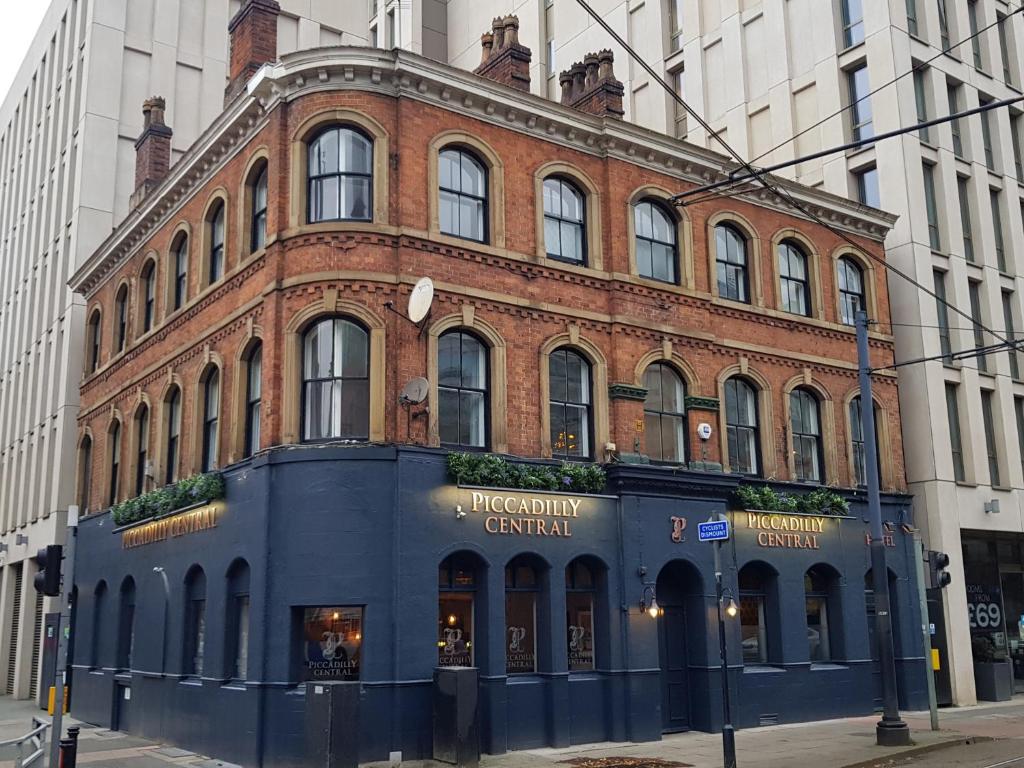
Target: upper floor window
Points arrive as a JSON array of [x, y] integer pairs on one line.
[[253, 400], [793, 281], [258, 233], [972, 21], [336, 381], [84, 473], [462, 181], [216, 223], [94, 335], [121, 318], [664, 414], [851, 291], [860, 474], [142, 445], [731, 256], [114, 441], [853, 22], [340, 176], [944, 24], [148, 296], [462, 390], [564, 216], [742, 427], [913, 26], [805, 425], [675, 24], [570, 404], [181, 273], [656, 254], [860, 103], [173, 434], [211, 419]]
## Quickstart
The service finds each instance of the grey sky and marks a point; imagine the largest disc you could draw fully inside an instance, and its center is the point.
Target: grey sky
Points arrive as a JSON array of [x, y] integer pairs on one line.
[[21, 18]]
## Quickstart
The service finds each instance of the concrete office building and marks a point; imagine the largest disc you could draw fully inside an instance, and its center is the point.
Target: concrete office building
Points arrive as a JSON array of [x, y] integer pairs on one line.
[[67, 161]]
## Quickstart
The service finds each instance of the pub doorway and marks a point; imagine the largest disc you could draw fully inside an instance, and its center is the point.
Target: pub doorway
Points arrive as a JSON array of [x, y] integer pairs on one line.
[[680, 596]]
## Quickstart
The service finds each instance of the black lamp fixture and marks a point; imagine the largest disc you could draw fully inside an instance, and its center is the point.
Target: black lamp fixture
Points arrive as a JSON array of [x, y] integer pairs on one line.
[[651, 608]]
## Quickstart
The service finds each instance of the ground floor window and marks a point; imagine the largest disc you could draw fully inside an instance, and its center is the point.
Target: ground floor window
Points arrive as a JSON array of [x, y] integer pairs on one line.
[[579, 608], [753, 583], [332, 643], [816, 587], [521, 585], [456, 586]]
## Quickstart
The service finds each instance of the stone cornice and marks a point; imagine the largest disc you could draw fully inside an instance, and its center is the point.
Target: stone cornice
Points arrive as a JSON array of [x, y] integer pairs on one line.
[[399, 73]]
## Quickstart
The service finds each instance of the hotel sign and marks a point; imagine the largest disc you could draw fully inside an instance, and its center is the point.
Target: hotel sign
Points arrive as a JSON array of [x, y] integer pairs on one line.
[[182, 524], [775, 530], [524, 515]]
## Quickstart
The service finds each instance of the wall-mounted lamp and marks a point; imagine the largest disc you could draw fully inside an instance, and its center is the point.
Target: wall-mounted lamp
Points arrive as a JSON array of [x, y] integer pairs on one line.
[[459, 512], [651, 608], [21, 539], [731, 609]]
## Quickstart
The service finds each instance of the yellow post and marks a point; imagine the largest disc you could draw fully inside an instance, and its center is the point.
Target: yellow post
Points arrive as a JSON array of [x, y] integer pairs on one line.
[[53, 695]]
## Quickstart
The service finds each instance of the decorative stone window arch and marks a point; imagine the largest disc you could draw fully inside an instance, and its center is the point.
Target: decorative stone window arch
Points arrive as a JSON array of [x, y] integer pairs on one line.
[[330, 305], [599, 373], [243, 355], [495, 185], [592, 240], [813, 257], [743, 225], [766, 422], [181, 236], [684, 233], [299, 178], [867, 269], [219, 197], [84, 474], [146, 310], [258, 162], [113, 459], [160, 427], [887, 478], [498, 384], [826, 412], [213, 364]]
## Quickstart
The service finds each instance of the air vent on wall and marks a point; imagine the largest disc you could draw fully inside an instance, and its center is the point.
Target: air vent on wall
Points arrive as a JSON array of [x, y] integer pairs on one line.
[[768, 719]]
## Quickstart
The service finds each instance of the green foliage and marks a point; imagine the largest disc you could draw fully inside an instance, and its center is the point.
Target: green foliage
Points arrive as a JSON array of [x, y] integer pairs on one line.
[[197, 489], [820, 501], [492, 471]]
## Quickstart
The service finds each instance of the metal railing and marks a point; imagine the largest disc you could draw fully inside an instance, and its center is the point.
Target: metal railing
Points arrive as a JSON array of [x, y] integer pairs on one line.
[[31, 746]]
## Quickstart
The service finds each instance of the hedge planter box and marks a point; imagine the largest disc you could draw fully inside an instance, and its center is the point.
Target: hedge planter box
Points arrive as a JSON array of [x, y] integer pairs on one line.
[[993, 680]]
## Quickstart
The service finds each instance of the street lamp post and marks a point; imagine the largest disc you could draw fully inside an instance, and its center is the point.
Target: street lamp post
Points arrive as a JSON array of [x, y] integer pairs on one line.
[[728, 733]]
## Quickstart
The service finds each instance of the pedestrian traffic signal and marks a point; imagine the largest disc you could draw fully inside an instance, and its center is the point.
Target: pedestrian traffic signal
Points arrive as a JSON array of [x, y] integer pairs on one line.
[[938, 562], [47, 580]]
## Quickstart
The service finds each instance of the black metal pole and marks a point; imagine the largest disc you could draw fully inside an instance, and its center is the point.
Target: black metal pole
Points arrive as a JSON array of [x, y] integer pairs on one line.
[[890, 731], [728, 733]]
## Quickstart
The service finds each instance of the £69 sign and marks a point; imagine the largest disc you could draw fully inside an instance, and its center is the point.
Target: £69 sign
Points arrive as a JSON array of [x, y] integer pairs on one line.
[[985, 615]]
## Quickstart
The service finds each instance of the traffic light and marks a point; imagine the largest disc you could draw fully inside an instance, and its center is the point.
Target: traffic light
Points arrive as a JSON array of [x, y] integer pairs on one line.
[[937, 564], [47, 580]]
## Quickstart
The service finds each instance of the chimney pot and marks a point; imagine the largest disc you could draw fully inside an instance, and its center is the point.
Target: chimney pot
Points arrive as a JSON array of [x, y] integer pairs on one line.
[[486, 45], [502, 57], [590, 86], [511, 31], [498, 27]]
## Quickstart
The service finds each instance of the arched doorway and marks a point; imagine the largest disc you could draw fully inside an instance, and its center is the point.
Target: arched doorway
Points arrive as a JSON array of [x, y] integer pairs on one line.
[[680, 626]]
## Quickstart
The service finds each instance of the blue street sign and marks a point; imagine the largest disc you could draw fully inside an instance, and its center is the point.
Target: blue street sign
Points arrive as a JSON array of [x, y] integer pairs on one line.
[[713, 530]]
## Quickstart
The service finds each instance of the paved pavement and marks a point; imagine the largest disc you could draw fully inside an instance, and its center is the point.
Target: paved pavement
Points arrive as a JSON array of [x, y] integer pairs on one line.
[[833, 744]]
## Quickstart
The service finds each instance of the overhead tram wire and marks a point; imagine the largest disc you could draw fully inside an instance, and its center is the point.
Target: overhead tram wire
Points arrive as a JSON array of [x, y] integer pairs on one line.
[[964, 354], [781, 192]]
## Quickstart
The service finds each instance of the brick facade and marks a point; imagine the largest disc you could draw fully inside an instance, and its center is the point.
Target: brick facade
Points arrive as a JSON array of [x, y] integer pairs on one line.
[[618, 320]]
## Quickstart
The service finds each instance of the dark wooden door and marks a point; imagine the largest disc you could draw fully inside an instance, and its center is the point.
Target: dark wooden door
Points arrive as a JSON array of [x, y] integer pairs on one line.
[[675, 687]]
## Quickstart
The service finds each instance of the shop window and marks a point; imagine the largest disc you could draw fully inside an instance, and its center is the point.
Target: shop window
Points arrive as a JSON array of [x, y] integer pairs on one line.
[[95, 333], [340, 176], [114, 461], [463, 190], [236, 643], [580, 591], [253, 400], [181, 272], [571, 404], [742, 426], [817, 584], [731, 258], [195, 622], [656, 252], [851, 291], [456, 584], [794, 284], [216, 255], [336, 381], [173, 434], [126, 625], [332, 641], [99, 601], [148, 296], [211, 418], [805, 424], [258, 226], [756, 582], [857, 444], [564, 221], [121, 319], [521, 588], [142, 448], [462, 388], [664, 414]]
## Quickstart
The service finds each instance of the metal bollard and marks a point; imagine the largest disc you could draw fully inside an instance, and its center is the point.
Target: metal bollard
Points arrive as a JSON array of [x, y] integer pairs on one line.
[[67, 753], [73, 738]]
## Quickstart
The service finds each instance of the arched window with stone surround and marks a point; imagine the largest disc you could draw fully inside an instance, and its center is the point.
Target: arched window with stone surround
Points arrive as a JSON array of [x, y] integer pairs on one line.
[[571, 404], [463, 390], [463, 194], [806, 433], [336, 381], [657, 252], [564, 221], [340, 175], [742, 426], [665, 429]]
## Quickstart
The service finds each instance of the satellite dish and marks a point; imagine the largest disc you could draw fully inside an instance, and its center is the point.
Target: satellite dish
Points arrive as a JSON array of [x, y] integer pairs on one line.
[[420, 299], [415, 392]]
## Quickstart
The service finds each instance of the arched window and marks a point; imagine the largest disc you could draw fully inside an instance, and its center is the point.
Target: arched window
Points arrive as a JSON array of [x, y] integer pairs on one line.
[[336, 381], [656, 254], [253, 400], [340, 176], [580, 593], [742, 427], [126, 625], [173, 434], [99, 601], [817, 585], [142, 448], [211, 419], [462, 181], [664, 414], [94, 336], [181, 272], [805, 425], [522, 586], [236, 642], [851, 291], [570, 404], [731, 256], [462, 388], [794, 286], [121, 318], [114, 441], [84, 474], [860, 474], [216, 224], [457, 579], [756, 583], [258, 230], [148, 296], [195, 622], [564, 217]]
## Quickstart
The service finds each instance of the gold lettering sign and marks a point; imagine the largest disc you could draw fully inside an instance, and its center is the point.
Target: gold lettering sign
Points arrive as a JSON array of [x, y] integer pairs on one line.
[[511, 514], [786, 531], [182, 524]]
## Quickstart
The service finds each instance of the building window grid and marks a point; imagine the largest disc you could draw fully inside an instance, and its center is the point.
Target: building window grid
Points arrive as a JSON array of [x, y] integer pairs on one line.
[[793, 280], [997, 229], [934, 238], [656, 252], [955, 443], [336, 381], [860, 477], [944, 32], [851, 291], [1004, 47], [1010, 334], [742, 427], [463, 195], [142, 454], [861, 126], [805, 425], [921, 101], [571, 409], [462, 389], [731, 258], [217, 244], [963, 194], [340, 176], [1018, 409], [95, 329], [121, 308], [953, 97], [253, 401], [1016, 130], [181, 273], [986, 136], [211, 418], [942, 315], [115, 464], [564, 221], [972, 20], [550, 63], [991, 450], [912, 21], [258, 233], [867, 187], [173, 435], [853, 22], [681, 115], [675, 25], [148, 297], [665, 424], [974, 292]]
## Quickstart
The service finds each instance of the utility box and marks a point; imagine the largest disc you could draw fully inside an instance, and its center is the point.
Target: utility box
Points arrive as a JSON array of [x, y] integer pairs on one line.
[[332, 724], [456, 716]]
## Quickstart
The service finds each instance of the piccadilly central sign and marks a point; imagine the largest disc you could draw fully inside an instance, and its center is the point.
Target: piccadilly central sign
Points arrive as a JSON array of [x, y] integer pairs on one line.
[[182, 524], [515, 514], [786, 531]]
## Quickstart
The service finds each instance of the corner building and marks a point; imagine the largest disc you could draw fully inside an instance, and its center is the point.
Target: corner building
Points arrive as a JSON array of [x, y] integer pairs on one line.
[[239, 320]]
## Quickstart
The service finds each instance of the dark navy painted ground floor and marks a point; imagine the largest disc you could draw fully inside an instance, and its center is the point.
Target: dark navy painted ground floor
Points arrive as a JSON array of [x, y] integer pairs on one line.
[[367, 564]]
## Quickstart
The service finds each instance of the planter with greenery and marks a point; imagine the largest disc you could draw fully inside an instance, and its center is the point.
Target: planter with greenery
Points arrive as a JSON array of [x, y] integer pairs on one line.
[[198, 489], [820, 501], [490, 471]]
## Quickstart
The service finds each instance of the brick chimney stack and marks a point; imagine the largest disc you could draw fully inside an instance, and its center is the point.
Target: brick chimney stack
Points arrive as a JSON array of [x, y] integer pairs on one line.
[[253, 32], [152, 150], [590, 86], [503, 58]]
